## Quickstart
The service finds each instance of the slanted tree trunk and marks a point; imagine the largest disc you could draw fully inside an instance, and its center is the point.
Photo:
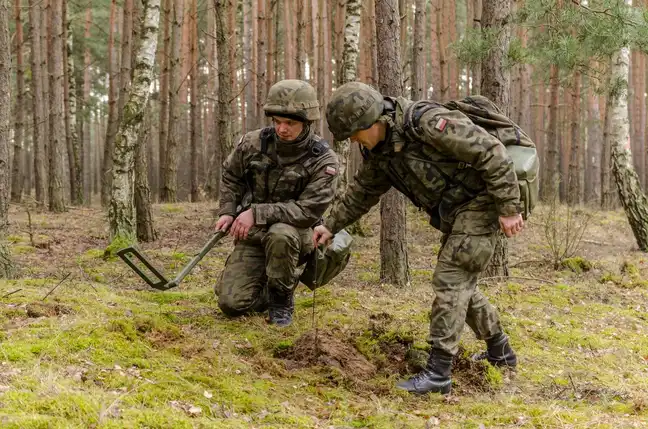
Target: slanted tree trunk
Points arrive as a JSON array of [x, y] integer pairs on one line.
[[496, 85], [113, 98], [145, 227], [121, 213], [38, 106], [73, 143], [634, 201], [6, 265], [393, 247], [56, 119], [224, 136], [169, 190], [18, 158]]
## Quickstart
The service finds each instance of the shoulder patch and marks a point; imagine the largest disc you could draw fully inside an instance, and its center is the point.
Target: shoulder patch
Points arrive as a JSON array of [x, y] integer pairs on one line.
[[330, 170], [440, 124]]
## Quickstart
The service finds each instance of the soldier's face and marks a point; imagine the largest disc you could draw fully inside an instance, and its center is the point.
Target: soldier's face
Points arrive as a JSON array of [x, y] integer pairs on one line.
[[369, 137], [287, 129]]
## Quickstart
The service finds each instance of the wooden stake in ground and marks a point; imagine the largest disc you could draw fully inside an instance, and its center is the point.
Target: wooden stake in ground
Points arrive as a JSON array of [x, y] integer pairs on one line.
[[122, 212]]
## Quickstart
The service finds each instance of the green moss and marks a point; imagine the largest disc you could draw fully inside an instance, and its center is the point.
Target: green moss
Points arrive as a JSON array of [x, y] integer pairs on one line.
[[22, 249], [577, 264], [368, 276], [118, 244], [611, 278], [629, 268], [171, 208]]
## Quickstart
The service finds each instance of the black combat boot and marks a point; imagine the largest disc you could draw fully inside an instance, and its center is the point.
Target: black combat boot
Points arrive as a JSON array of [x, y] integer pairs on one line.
[[435, 378], [499, 352], [280, 308]]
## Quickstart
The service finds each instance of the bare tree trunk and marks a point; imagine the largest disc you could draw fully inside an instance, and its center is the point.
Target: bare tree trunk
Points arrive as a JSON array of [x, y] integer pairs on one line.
[[164, 93], [300, 58], [6, 265], [261, 62], [169, 190], [435, 49], [86, 123], [607, 192], [38, 106], [393, 247], [442, 35], [271, 53], [122, 215], [549, 187], [594, 148], [418, 53], [224, 137], [56, 119], [574, 181], [196, 149], [453, 69], [634, 201], [324, 71], [635, 118], [46, 48], [113, 98], [249, 59], [73, 143], [17, 175], [476, 69], [145, 227], [496, 85]]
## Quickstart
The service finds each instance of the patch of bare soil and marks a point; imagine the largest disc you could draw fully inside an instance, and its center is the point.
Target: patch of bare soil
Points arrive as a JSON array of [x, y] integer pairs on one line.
[[325, 349], [469, 377], [44, 309]]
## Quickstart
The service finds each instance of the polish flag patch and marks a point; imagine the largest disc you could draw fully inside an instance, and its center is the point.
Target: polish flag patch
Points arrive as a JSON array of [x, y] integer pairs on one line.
[[330, 170], [441, 124]]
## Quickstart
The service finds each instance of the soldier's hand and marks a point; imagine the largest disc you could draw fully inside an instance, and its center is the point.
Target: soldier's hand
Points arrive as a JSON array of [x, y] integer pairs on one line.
[[511, 225], [321, 235], [242, 224], [223, 223]]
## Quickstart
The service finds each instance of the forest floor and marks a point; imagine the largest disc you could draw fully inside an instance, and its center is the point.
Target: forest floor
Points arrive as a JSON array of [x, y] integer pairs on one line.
[[102, 350]]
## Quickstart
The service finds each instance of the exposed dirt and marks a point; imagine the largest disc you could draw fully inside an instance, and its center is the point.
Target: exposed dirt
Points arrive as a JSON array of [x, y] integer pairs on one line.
[[44, 309]]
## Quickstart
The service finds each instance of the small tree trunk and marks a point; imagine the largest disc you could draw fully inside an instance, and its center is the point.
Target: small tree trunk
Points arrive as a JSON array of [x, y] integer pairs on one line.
[[549, 187], [145, 227], [86, 139], [164, 94], [74, 145], [18, 158], [435, 49], [121, 213], [196, 149], [38, 106], [634, 201], [574, 194], [594, 148], [477, 69], [6, 265], [393, 247], [56, 119], [496, 85], [418, 53]]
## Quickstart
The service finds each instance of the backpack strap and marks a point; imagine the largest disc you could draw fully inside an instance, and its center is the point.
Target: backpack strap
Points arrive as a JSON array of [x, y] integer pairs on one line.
[[413, 115], [266, 133]]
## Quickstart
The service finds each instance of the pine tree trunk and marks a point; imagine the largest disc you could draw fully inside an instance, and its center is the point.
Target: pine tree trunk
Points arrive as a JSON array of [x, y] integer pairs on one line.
[[164, 94], [46, 48], [196, 149], [443, 32], [170, 187], [549, 189], [56, 118], [594, 148], [300, 58], [418, 52], [635, 118], [574, 181], [607, 192], [17, 175], [86, 124], [38, 106], [224, 136], [121, 214], [113, 107], [496, 85], [249, 59], [145, 227], [337, 16], [476, 68], [435, 49], [453, 69], [6, 265], [271, 53], [73, 143], [393, 247], [261, 62]]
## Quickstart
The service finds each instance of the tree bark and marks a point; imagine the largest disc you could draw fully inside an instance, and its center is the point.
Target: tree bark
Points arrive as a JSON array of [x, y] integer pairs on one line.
[[38, 106], [496, 85], [393, 247], [113, 98], [418, 52], [121, 214], [164, 94], [549, 189], [17, 176], [86, 124], [261, 62], [73, 143], [56, 119], [6, 265], [574, 181], [435, 49], [196, 137], [594, 148], [145, 227]]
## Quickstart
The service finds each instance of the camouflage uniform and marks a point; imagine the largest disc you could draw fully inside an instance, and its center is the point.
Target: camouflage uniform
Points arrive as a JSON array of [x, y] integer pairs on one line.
[[289, 185], [458, 173]]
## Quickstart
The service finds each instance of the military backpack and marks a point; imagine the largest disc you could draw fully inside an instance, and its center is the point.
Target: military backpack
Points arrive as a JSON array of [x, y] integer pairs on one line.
[[484, 113]]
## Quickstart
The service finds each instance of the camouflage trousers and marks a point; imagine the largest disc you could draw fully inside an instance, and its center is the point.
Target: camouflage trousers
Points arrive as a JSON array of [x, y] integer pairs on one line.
[[461, 258], [266, 260]]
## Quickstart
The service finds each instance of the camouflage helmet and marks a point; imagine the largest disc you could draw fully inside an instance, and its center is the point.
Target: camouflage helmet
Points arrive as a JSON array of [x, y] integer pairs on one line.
[[354, 106], [295, 98]]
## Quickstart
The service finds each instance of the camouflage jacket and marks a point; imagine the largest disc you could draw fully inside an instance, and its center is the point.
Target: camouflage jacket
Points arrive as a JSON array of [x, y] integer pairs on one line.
[[292, 183], [457, 172]]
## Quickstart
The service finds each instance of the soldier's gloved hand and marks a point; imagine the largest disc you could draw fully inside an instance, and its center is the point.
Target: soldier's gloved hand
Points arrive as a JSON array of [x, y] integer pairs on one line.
[[223, 223], [321, 235], [511, 225], [242, 224]]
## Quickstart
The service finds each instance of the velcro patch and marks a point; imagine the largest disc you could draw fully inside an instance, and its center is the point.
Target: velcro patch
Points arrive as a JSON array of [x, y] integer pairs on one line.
[[441, 124], [330, 170]]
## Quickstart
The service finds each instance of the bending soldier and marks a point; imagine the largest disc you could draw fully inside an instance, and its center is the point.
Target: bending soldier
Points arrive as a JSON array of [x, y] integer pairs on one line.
[[463, 177], [281, 179]]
